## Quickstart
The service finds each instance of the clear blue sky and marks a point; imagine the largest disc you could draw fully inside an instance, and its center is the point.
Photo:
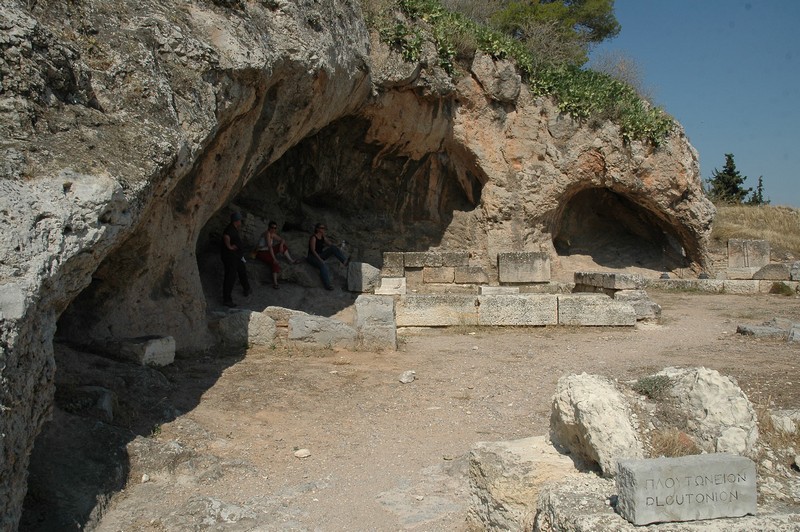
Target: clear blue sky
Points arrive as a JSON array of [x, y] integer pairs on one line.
[[729, 72]]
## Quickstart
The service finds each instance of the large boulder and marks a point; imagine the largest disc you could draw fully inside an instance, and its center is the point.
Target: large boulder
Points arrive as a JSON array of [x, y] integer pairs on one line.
[[591, 420], [718, 412]]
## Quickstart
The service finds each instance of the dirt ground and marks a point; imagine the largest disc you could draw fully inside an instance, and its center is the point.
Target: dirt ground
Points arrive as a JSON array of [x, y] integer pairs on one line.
[[383, 455]]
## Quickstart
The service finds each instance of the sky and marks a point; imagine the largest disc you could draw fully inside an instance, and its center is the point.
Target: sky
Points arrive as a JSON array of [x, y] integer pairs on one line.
[[729, 72]]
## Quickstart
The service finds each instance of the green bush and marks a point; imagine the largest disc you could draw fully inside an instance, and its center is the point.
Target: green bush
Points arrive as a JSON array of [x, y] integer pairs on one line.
[[584, 94], [655, 386]]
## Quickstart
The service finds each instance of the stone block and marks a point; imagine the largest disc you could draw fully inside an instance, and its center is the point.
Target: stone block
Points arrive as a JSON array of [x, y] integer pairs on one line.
[[794, 333], [391, 286], [375, 321], [610, 280], [794, 271], [362, 277], [498, 290], [740, 287], [644, 307], [688, 488], [776, 271], [443, 274], [518, 310], [523, 267], [747, 253], [436, 310], [739, 274], [420, 259], [148, 350], [701, 285], [414, 277], [454, 258], [322, 331], [393, 264], [470, 275], [594, 310], [506, 477]]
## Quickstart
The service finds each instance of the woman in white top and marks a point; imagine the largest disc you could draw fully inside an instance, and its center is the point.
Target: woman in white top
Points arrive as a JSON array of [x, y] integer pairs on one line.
[[270, 245]]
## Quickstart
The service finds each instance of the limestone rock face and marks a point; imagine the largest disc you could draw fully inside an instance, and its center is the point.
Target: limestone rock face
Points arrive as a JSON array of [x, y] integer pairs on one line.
[[132, 128], [591, 420]]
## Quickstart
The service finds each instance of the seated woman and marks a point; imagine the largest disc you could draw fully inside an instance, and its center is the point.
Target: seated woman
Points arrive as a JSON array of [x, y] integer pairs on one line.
[[319, 249], [270, 245]]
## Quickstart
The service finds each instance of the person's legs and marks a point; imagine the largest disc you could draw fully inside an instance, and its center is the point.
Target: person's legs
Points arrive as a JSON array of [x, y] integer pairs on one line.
[[324, 272], [241, 269], [336, 252], [228, 281]]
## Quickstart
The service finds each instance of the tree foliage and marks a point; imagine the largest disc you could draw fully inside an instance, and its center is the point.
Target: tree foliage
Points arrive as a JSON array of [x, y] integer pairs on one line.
[[573, 25], [727, 185], [757, 197]]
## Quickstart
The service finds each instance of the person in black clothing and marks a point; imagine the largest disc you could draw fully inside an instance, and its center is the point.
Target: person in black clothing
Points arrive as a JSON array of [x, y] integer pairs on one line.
[[233, 260], [319, 249]]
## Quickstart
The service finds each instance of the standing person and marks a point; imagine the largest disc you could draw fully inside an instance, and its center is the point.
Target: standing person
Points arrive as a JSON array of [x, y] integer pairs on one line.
[[233, 260], [319, 249], [270, 245]]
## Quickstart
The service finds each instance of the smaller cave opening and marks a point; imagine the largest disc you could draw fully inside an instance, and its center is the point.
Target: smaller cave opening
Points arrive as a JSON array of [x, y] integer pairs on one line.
[[601, 228]]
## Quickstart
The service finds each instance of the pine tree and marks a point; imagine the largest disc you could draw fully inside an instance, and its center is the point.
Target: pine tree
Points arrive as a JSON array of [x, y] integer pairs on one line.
[[757, 197], [727, 185]]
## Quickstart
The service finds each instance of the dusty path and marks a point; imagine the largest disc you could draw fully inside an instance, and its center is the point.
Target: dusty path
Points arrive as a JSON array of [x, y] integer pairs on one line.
[[392, 456]]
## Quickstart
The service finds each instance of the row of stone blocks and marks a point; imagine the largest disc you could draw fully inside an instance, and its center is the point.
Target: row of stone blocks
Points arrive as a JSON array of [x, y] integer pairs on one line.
[[454, 267], [523, 310]]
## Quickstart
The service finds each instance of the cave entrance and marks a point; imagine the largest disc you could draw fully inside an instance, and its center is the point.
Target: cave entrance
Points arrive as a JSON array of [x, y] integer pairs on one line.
[[597, 227]]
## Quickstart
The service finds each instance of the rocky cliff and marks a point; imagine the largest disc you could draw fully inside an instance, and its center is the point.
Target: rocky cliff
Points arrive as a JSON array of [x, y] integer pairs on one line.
[[129, 128]]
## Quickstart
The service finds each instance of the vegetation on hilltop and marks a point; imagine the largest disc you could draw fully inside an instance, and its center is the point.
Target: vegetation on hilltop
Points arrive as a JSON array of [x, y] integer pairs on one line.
[[779, 225], [549, 52]]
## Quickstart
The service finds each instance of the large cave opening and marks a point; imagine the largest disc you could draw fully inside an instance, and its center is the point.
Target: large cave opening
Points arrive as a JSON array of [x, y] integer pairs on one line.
[[598, 227]]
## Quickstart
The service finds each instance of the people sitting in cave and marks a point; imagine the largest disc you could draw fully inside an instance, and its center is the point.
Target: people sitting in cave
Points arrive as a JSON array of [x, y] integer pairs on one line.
[[232, 252], [320, 249], [270, 245]]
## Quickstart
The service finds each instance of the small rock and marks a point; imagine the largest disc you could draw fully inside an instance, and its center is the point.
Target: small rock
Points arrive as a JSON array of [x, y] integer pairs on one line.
[[145, 478], [302, 453], [408, 376], [797, 461]]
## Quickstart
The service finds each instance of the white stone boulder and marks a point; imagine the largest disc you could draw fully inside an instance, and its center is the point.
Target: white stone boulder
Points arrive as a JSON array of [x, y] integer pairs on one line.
[[592, 421], [720, 415]]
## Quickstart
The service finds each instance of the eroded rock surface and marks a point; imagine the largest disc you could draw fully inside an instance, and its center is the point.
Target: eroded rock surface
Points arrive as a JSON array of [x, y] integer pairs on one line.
[[130, 127]]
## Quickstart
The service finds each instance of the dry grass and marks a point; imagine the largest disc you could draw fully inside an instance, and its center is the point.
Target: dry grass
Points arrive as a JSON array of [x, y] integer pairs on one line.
[[779, 225], [672, 442]]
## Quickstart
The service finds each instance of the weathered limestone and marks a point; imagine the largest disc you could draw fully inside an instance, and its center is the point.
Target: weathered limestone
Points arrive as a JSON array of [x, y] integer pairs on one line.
[[523, 267], [375, 321], [609, 280], [776, 271], [644, 307], [362, 277], [719, 413], [688, 488], [244, 327], [391, 286], [794, 271], [393, 264], [321, 331], [594, 310], [471, 275], [443, 274], [498, 290], [743, 273], [747, 253], [436, 310], [506, 478], [741, 287], [148, 350], [592, 421], [518, 310]]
